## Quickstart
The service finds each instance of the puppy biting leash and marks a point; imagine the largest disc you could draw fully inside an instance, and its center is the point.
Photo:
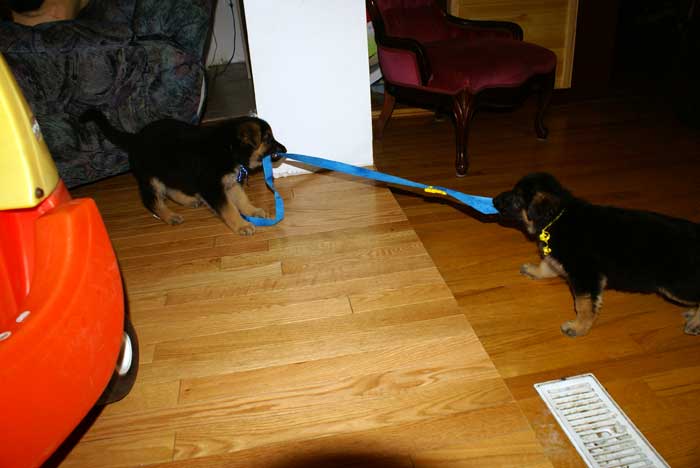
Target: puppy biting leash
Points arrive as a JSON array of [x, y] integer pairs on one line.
[[481, 204]]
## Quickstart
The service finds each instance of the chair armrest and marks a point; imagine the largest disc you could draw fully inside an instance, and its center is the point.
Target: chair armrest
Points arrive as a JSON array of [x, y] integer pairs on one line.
[[412, 46], [513, 29], [400, 43]]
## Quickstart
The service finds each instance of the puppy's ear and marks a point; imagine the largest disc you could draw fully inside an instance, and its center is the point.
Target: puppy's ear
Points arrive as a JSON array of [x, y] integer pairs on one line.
[[543, 207], [249, 134]]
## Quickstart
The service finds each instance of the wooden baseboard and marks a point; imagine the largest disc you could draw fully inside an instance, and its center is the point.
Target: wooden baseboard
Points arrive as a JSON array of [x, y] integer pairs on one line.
[[404, 112]]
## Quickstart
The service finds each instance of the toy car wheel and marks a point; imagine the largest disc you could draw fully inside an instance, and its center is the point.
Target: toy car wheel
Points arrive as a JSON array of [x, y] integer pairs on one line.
[[126, 367]]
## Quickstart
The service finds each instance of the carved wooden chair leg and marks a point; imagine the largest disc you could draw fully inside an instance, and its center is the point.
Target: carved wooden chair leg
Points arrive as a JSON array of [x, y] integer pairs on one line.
[[545, 86], [463, 108], [387, 110]]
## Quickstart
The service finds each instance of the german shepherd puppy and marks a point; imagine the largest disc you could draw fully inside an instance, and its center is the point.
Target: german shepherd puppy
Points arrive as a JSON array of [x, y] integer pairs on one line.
[[192, 165], [597, 247]]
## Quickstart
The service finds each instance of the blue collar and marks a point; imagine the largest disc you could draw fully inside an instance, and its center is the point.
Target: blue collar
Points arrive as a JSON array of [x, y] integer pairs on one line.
[[242, 176]]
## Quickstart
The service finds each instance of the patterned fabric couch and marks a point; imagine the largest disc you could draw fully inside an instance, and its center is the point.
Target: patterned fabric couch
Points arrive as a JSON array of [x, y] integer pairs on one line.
[[135, 60]]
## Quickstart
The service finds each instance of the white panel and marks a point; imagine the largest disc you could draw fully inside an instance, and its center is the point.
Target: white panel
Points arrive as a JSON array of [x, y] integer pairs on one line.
[[311, 76]]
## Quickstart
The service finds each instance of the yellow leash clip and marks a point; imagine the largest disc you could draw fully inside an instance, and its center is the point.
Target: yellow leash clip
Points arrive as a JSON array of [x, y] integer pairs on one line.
[[431, 189]]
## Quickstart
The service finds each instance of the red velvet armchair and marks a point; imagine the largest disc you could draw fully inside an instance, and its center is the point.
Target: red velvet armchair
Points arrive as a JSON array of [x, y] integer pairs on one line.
[[434, 60]]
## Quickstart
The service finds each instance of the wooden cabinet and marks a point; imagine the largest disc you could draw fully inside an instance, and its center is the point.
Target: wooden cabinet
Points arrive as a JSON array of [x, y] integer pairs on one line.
[[549, 23]]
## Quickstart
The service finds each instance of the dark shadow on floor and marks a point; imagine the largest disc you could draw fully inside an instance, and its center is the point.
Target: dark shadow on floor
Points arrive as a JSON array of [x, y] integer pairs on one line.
[[347, 461]]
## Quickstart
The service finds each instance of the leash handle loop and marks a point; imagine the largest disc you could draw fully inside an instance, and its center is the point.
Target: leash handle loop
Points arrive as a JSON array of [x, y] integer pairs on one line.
[[279, 203]]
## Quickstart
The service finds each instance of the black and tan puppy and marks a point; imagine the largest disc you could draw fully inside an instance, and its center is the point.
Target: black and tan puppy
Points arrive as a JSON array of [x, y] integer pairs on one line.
[[191, 165], [597, 247]]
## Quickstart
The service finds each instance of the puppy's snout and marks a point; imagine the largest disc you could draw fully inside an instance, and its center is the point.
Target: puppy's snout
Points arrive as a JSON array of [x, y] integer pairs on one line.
[[501, 202], [277, 150], [277, 154], [508, 204]]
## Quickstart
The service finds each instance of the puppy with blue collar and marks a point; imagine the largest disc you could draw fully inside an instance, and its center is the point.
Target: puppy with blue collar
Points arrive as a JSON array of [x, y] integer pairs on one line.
[[194, 165]]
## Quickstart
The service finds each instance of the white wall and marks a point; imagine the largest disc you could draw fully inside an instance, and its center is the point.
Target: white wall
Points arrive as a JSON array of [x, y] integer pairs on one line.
[[222, 41], [311, 76]]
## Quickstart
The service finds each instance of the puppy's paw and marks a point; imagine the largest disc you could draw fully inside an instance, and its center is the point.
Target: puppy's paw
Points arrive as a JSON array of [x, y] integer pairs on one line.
[[259, 213], [692, 322], [246, 229], [175, 219], [195, 204], [573, 329], [530, 270]]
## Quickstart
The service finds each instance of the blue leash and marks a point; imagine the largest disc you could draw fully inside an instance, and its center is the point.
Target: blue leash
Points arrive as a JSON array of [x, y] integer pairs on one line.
[[481, 204]]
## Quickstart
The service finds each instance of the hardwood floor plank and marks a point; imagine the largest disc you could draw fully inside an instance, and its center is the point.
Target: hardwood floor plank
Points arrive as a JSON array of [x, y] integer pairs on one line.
[[337, 278], [371, 446], [355, 258], [424, 292], [256, 412], [197, 274], [121, 452], [510, 451], [230, 314], [158, 259], [146, 304], [213, 360], [147, 398], [345, 240], [262, 401], [345, 325], [679, 381], [317, 421], [412, 359], [165, 248]]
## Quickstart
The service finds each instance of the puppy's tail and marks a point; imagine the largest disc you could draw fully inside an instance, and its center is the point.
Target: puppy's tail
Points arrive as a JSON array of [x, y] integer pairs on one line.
[[118, 137]]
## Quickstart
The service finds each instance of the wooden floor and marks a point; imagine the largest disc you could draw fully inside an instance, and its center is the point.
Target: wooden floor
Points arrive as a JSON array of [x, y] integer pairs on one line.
[[387, 330], [630, 153], [330, 340]]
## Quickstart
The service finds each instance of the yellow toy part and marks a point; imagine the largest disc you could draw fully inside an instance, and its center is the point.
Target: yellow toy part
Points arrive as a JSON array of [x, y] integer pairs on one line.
[[27, 172]]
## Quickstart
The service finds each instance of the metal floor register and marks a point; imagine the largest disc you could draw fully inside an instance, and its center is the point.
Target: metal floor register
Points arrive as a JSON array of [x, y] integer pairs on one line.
[[601, 432]]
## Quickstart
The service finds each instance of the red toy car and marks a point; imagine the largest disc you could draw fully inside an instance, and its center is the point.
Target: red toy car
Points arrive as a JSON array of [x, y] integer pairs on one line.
[[66, 343]]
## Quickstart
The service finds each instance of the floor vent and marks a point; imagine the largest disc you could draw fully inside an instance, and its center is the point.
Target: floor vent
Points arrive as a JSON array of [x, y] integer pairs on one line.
[[601, 432]]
